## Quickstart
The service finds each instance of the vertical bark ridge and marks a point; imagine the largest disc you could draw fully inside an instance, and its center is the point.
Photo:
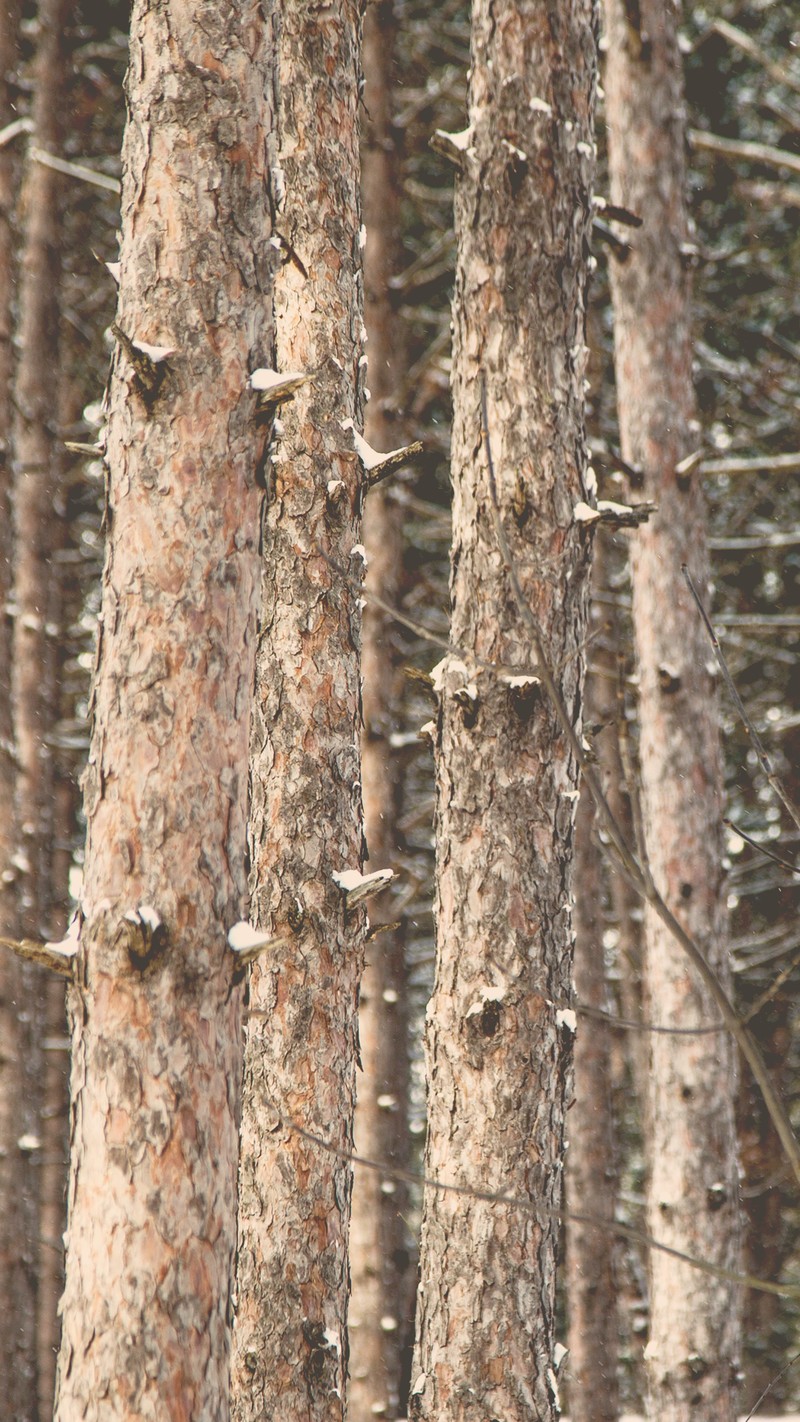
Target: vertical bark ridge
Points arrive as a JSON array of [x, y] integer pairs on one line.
[[290, 1344], [155, 1009], [499, 1029], [693, 1351], [380, 1257]]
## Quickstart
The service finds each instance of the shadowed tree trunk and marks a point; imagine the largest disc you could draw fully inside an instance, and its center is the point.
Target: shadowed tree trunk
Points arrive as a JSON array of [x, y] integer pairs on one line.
[[154, 1004], [380, 1257], [290, 1340], [591, 1174], [500, 1021], [37, 468], [17, 1179], [693, 1352]]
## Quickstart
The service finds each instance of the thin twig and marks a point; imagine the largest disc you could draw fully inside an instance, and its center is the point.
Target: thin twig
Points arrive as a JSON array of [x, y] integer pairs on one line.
[[754, 844], [641, 877], [630, 1024], [787, 1289], [770, 1386], [757, 743]]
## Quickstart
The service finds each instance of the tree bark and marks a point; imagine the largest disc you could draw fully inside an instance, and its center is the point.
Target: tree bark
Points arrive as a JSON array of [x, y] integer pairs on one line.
[[693, 1352], [381, 1260], [17, 1179], [591, 1165], [36, 478], [499, 1035], [290, 1343], [155, 1007]]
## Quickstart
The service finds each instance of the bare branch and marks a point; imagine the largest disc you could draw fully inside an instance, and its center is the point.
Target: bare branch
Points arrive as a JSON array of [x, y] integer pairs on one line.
[[757, 743], [56, 956], [750, 47], [763, 464], [742, 148], [76, 170]]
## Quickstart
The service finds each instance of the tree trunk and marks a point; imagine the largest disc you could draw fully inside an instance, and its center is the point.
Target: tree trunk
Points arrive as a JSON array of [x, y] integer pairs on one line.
[[290, 1343], [155, 1007], [36, 478], [500, 1022], [591, 1173], [17, 1179], [380, 1254], [693, 1352]]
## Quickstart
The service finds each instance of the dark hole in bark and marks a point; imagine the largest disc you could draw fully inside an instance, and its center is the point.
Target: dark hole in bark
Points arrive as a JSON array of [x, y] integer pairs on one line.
[[490, 1018], [668, 681], [686, 891]]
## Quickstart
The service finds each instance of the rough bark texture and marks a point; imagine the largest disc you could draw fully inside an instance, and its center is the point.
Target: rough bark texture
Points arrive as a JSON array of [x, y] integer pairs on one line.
[[36, 474], [17, 1180], [591, 1180], [498, 1041], [290, 1343], [380, 1257], [693, 1351], [155, 1009]]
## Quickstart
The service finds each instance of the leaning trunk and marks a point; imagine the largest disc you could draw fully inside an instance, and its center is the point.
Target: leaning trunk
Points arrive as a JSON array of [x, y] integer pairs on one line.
[[693, 1352], [155, 1006], [500, 1021], [300, 1055]]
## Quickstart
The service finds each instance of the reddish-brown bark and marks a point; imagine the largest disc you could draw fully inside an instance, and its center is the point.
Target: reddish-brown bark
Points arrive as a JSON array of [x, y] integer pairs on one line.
[[155, 1006], [499, 1033], [693, 1352], [290, 1340]]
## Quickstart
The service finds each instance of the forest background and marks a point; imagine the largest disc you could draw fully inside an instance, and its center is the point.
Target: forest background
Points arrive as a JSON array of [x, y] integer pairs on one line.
[[743, 88]]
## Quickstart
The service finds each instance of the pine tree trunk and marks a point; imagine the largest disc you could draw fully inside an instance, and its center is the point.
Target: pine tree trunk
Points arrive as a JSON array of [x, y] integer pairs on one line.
[[155, 1007], [693, 1352], [17, 1179], [380, 1255], [499, 1036], [591, 1176], [37, 469], [290, 1341]]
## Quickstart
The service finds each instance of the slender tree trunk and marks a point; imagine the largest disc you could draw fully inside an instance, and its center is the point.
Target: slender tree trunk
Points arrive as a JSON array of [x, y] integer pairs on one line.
[[36, 477], [500, 1022], [17, 1180], [154, 1006], [693, 1352], [380, 1255], [290, 1343], [591, 1166]]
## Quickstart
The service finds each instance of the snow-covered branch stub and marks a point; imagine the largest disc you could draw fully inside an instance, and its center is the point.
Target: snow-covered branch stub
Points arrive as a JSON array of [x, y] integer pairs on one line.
[[379, 466], [358, 887], [249, 943]]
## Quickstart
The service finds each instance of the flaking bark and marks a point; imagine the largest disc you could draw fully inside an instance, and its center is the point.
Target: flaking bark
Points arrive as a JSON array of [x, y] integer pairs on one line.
[[693, 1352], [155, 1009], [499, 1033], [290, 1341]]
